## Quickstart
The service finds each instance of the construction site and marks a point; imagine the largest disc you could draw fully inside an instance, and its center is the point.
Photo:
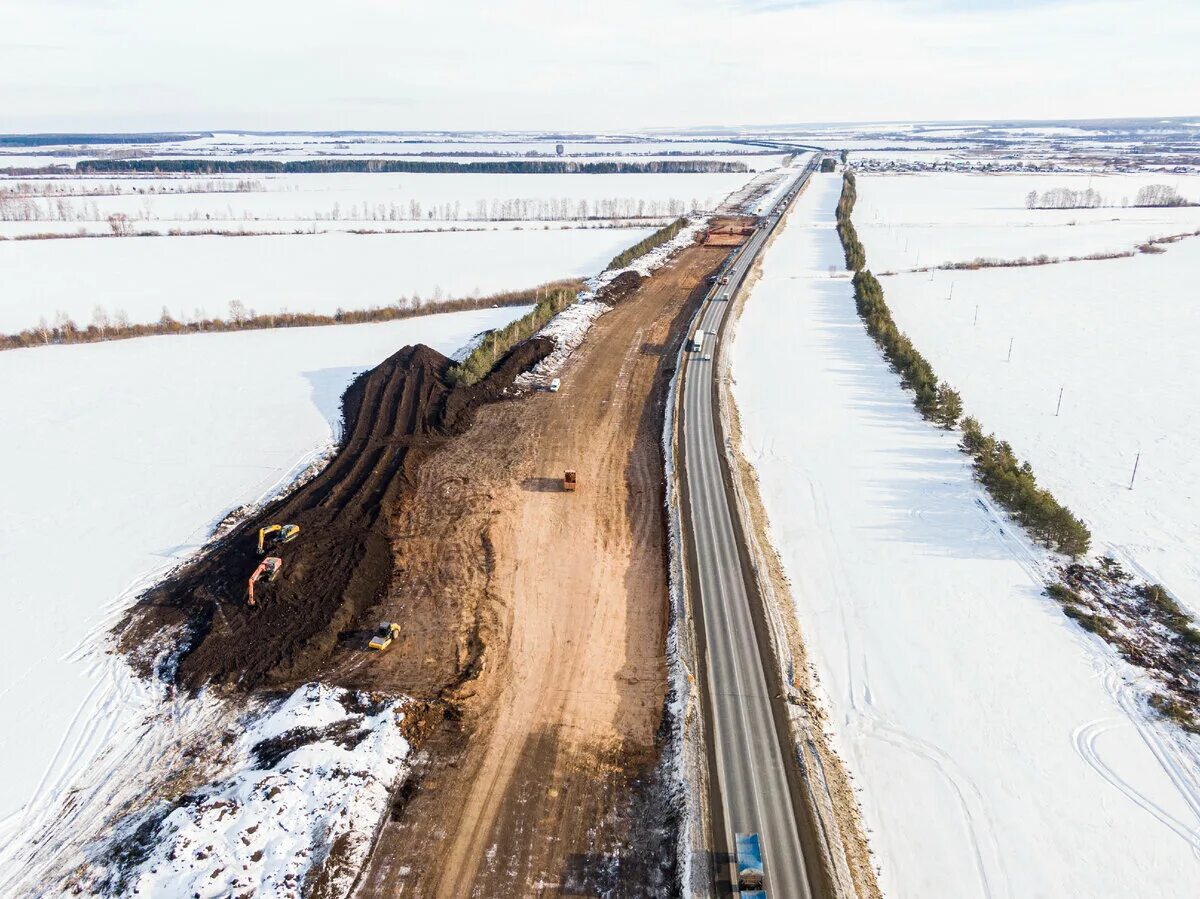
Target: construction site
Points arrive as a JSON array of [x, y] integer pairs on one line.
[[499, 557]]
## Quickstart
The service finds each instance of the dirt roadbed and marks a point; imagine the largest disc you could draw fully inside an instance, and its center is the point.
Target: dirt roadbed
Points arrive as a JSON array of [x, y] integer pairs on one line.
[[533, 620]]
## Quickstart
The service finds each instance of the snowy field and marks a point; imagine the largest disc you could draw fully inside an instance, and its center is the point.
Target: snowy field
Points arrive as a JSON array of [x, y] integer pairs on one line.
[[197, 277], [1119, 338], [909, 221], [998, 748], [284, 201], [119, 460]]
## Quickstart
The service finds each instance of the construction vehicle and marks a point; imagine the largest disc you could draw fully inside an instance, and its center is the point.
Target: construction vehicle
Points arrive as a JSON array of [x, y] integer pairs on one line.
[[268, 568], [569, 480], [749, 866], [279, 533], [555, 385], [386, 634]]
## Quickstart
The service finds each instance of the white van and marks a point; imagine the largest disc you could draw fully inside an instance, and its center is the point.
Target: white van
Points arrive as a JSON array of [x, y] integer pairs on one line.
[[554, 385]]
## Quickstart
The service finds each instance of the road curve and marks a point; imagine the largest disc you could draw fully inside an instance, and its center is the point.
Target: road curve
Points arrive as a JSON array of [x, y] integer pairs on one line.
[[749, 756]]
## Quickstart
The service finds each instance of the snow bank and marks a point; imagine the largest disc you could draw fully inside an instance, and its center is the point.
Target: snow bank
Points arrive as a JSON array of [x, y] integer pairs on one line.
[[307, 785], [136, 449], [1000, 750]]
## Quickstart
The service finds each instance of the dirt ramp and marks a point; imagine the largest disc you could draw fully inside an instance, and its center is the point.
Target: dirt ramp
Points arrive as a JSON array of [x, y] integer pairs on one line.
[[341, 564]]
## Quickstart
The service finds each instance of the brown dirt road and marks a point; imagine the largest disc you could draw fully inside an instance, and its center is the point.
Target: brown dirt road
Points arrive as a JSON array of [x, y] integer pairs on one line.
[[540, 616]]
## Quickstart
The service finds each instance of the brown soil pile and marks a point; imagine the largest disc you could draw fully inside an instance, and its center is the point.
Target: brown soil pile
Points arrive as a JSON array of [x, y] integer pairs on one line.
[[341, 564], [619, 288]]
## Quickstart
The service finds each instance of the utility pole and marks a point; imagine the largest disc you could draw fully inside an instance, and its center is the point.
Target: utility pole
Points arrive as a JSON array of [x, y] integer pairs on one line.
[[951, 291], [1059, 406], [1010, 344], [1136, 459], [976, 315]]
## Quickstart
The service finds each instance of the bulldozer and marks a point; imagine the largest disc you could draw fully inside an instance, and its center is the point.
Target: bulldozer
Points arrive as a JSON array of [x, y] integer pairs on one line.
[[269, 569], [279, 534], [387, 633]]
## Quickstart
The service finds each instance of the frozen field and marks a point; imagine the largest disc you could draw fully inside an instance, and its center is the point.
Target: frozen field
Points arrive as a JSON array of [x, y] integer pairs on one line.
[[998, 748], [1119, 338], [197, 277], [26, 205], [120, 459], [909, 221]]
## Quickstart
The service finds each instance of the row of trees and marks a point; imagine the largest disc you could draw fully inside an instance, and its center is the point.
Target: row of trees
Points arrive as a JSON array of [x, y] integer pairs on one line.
[[116, 326], [1064, 198], [64, 209], [496, 344], [1010, 482], [1154, 195], [408, 166], [657, 239], [856, 254]]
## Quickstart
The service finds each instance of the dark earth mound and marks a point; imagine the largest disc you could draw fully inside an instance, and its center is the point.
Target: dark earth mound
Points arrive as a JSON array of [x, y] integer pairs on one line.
[[341, 563], [619, 288]]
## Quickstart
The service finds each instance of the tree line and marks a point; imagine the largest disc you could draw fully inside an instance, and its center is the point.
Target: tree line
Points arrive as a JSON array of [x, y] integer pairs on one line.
[[1148, 195], [118, 327], [409, 166], [657, 239], [1009, 482], [497, 343]]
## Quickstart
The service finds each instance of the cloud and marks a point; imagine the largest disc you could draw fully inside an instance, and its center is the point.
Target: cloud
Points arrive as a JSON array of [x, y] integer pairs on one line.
[[616, 66]]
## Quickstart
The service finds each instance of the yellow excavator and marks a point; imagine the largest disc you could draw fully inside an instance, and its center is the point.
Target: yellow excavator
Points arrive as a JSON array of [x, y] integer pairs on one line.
[[279, 533]]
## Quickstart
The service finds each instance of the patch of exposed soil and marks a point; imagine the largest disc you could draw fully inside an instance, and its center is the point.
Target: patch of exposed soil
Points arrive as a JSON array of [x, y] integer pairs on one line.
[[540, 617], [619, 288], [395, 416]]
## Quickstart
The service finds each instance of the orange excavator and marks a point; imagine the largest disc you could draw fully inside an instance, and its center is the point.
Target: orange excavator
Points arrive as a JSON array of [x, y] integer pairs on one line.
[[269, 569]]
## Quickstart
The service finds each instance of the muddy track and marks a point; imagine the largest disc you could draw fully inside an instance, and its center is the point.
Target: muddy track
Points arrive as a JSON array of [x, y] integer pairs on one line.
[[394, 416]]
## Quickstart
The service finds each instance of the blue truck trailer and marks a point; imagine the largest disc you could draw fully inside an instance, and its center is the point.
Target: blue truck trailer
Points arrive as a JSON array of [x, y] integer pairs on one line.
[[749, 866]]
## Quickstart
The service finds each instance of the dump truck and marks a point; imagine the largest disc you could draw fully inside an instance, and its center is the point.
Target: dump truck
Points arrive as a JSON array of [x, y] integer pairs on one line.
[[749, 866], [387, 633], [278, 533], [267, 569], [569, 480], [697, 342]]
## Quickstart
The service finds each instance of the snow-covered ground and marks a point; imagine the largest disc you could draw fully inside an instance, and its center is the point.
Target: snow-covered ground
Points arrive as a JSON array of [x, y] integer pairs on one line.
[[304, 788], [999, 749], [372, 200], [118, 460], [909, 221], [1119, 338], [198, 277]]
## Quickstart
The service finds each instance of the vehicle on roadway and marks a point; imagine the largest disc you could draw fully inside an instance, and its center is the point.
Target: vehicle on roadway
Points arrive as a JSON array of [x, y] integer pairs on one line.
[[749, 866], [697, 343]]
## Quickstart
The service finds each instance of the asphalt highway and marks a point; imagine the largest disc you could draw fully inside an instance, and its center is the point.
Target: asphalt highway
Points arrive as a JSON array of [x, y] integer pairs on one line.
[[751, 766]]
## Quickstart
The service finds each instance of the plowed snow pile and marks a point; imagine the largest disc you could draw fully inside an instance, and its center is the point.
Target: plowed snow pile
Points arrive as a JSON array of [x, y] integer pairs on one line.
[[1000, 750], [296, 805]]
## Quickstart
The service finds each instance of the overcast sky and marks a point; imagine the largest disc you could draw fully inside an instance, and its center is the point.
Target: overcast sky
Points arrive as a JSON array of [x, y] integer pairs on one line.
[[138, 65]]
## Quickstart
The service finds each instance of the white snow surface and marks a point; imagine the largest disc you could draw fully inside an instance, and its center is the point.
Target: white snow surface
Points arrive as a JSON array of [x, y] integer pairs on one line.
[[999, 750], [136, 449], [370, 199], [197, 277], [262, 829], [1118, 338], [910, 221]]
